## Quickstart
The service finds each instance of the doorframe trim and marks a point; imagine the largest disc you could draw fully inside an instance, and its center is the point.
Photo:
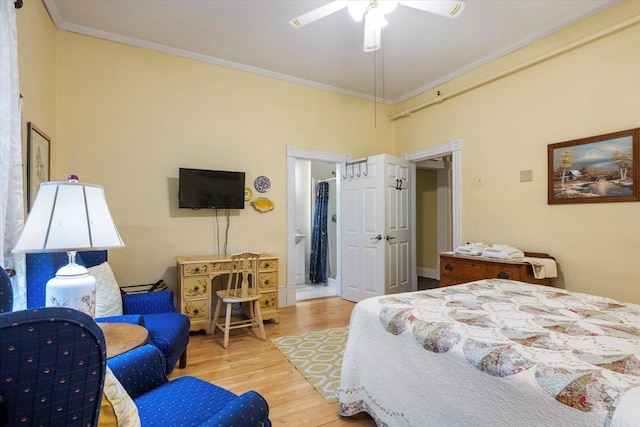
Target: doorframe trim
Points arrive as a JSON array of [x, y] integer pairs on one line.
[[453, 148], [295, 153]]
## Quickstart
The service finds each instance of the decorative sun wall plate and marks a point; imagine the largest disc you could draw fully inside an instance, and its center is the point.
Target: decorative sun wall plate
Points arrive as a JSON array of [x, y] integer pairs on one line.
[[248, 194], [262, 184], [262, 204]]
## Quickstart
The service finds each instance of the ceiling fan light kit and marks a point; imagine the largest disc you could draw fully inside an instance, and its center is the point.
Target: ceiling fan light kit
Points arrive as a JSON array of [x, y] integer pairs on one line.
[[374, 11]]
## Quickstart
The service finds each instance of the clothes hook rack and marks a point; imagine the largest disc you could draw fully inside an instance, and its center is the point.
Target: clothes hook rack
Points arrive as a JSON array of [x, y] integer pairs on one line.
[[351, 164]]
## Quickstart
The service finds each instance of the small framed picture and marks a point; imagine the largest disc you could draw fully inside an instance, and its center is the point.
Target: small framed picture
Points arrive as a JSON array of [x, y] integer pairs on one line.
[[597, 169], [38, 161]]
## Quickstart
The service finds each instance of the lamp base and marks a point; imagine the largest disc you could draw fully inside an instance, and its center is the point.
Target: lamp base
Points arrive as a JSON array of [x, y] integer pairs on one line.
[[73, 287]]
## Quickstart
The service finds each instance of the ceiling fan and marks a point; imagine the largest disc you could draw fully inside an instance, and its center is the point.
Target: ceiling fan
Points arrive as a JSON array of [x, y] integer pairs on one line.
[[374, 11]]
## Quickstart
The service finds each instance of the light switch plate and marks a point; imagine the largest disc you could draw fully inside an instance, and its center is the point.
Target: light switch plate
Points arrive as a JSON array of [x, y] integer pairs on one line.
[[526, 176]]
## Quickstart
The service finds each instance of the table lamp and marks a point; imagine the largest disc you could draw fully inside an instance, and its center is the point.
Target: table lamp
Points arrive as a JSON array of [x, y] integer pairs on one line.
[[69, 216]]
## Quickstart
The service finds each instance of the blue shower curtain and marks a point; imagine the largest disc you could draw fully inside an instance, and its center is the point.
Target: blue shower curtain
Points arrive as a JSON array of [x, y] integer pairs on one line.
[[318, 261]]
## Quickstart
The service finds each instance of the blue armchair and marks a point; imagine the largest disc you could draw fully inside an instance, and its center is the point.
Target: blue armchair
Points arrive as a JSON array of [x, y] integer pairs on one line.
[[168, 329], [6, 291], [186, 401], [52, 368]]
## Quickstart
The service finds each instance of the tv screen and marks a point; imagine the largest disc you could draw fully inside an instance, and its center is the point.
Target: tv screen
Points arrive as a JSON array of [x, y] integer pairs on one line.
[[209, 189]]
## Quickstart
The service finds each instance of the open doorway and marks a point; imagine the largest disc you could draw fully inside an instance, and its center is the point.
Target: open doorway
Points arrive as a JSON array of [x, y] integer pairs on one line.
[[441, 166], [300, 211], [433, 218], [316, 251]]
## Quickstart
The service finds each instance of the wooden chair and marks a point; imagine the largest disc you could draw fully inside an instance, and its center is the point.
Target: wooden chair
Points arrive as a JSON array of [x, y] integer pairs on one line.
[[240, 290]]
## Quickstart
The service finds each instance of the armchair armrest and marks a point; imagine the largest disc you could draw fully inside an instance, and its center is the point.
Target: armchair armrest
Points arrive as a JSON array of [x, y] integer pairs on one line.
[[136, 319], [139, 370], [147, 303], [247, 410]]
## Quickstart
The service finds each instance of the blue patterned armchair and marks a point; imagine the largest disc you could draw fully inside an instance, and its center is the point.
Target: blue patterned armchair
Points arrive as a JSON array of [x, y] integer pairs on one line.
[[6, 291], [185, 401], [168, 329], [52, 368]]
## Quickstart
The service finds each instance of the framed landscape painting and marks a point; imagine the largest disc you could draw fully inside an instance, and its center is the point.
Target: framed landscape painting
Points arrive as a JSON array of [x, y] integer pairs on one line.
[[38, 153], [598, 169]]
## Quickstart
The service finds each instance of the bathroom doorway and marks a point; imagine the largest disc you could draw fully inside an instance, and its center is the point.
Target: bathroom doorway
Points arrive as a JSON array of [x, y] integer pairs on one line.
[[312, 176]]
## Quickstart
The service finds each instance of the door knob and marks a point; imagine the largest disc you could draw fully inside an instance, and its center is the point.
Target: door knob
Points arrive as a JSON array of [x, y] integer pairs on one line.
[[378, 237], [389, 238]]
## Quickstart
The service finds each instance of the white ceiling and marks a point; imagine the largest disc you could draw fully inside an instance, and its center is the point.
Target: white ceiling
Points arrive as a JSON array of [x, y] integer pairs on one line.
[[419, 50]]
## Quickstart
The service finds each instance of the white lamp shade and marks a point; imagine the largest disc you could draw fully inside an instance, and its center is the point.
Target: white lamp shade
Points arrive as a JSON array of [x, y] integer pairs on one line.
[[69, 216]]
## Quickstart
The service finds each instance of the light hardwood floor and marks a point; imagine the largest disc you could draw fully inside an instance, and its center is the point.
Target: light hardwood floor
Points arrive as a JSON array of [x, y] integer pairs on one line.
[[252, 364]]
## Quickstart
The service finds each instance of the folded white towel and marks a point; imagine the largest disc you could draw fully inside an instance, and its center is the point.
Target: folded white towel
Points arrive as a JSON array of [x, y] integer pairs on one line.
[[472, 249], [468, 251], [542, 267], [498, 248], [507, 252]]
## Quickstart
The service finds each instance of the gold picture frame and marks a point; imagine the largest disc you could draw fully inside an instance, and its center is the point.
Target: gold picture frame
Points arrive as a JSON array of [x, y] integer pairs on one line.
[[597, 169], [38, 161]]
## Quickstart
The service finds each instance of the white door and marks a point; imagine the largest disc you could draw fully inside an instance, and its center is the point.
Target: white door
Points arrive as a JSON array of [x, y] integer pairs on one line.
[[397, 230], [375, 228]]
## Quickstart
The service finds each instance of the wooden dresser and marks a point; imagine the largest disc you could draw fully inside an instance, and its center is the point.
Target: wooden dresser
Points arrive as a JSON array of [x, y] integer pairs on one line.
[[195, 281], [456, 269]]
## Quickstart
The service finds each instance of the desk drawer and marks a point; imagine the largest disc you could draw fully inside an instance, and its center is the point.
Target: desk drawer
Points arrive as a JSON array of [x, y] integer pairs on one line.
[[267, 264], [512, 272], [268, 301], [475, 270], [196, 287], [196, 269], [196, 310], [267, 281], [464, 269]]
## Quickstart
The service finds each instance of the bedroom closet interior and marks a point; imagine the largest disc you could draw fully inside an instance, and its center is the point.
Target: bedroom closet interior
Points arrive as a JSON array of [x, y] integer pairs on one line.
[[315, 255]]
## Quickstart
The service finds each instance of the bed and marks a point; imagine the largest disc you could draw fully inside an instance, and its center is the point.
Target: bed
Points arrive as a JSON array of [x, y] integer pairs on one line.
[[493, 353]]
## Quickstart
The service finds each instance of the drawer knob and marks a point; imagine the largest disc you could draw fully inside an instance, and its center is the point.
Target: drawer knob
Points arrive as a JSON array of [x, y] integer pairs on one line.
[[448, 267], [196, 270], [503, 275], [196, 288]]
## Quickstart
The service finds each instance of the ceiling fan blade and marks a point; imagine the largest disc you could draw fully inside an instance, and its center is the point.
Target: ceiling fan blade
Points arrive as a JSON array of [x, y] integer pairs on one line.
[[321, 12], [448, 8], [372, 35]]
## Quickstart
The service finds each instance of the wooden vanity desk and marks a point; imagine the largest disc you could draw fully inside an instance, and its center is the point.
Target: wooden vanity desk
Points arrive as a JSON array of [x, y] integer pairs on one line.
[[195, 281], [456, 269]]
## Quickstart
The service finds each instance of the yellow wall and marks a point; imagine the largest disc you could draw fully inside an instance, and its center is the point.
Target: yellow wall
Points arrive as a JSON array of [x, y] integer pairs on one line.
[[37, 65], [506, 126], [128, 118], [426, 218]]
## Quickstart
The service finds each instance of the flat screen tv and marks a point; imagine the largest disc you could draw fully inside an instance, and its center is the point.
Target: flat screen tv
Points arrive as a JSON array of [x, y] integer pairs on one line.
[[210, 189]]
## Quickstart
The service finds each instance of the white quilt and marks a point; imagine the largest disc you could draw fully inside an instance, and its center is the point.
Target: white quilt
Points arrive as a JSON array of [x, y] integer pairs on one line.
[[493, 353]]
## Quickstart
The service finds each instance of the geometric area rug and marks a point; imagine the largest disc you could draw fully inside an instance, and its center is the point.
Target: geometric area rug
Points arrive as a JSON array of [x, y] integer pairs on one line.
[[317, 356]]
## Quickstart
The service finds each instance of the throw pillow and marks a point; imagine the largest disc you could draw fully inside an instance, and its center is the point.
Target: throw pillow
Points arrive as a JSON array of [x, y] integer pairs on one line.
[[108, 296], [117, 408]]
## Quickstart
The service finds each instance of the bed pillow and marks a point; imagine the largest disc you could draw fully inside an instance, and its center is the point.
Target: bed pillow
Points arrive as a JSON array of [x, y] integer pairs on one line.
[[108, 296], [117, 408]]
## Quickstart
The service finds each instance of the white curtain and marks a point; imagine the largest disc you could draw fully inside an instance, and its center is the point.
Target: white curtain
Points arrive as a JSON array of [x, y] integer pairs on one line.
[[11, 178]]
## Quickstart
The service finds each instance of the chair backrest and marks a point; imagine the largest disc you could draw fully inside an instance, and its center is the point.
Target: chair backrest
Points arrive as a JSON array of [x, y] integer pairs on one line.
[[52, 368], [244, 266], [6, 292], [43, 266]]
